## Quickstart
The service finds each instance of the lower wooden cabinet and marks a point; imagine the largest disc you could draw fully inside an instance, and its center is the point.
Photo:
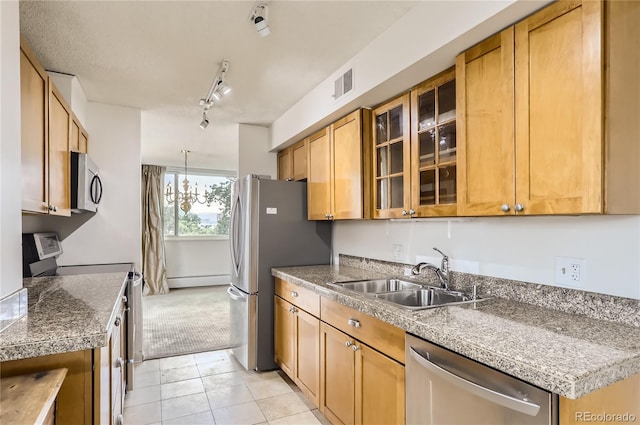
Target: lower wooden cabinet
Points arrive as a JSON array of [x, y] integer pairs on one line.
[[358, 385], [297, 350]]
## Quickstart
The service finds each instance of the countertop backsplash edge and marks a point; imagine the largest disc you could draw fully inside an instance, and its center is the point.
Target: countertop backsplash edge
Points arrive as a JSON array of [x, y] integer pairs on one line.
[[568, 300]]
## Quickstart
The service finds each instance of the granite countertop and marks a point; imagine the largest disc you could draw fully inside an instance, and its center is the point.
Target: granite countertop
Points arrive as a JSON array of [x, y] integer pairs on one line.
[[568, 354], [66, 313]]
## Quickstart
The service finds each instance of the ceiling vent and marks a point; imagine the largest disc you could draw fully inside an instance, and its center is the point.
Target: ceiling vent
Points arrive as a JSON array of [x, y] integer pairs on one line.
[[343, 85]]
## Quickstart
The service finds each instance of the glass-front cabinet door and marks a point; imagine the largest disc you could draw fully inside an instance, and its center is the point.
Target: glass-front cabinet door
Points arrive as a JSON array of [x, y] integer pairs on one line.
[[433, 147], [391, 159]]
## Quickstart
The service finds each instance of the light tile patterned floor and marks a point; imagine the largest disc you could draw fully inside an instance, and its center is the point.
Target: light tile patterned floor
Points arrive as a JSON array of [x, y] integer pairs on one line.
[[213, 388]]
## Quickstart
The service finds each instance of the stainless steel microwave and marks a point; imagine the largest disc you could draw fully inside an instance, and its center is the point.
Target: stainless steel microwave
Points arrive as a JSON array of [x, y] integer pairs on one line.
[[86, 185]]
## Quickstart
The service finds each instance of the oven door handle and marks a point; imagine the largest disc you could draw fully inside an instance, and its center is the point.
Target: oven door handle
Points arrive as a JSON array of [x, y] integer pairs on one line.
[[522, 406]]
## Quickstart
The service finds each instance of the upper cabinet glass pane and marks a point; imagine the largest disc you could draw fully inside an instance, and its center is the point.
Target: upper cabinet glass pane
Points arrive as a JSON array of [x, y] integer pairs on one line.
[[381, 128], [447, 101], [397, 192], [395, 123], [447, 142], [426, 110], [382, 168], [427, 147], [397, 151]]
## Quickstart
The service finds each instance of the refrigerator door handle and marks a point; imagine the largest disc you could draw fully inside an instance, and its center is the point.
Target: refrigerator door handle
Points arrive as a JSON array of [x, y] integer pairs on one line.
[[235, 234], [235, 295]]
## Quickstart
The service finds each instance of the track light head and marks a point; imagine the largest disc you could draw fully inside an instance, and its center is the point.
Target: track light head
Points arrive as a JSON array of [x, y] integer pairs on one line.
[[205, 122], [259, 17]]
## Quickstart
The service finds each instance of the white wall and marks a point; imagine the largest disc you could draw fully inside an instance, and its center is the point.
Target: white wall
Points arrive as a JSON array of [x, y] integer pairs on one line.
[[520, 248], [253, 152], [194, 262], [10, 173], [113, 234], [70, 88]]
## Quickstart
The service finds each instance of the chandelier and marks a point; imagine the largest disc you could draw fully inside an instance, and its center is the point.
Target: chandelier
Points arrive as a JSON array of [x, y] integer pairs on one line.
[[187, 197]]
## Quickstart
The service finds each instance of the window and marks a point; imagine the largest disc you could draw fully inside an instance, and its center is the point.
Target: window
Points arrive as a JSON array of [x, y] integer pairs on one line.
[[201, 220]]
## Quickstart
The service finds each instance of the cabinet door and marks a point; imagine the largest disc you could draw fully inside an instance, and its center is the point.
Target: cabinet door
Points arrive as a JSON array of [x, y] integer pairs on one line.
[[346, 138], [284, 164], [34, 131], [380, 384], [74, 140], [83, 145], [299, 158], [59, 158], [337, 375], [307, 352], [319, 180], [433, 147], [485, 120], [558, 84], [284, 322], [391, 159]]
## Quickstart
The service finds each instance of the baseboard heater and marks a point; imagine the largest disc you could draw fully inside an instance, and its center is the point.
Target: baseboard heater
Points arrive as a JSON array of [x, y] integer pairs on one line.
[[192, 281]]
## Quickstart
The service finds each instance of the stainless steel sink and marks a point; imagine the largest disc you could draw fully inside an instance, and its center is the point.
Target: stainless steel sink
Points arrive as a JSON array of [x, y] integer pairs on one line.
[[378, 285], [424, 298], [405, 294]]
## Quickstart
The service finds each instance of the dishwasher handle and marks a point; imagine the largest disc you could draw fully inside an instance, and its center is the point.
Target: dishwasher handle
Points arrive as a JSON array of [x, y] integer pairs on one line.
[[505, 400]]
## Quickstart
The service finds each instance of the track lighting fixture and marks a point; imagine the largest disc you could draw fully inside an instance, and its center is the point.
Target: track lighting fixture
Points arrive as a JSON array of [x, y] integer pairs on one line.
[[205, 121], [219, 88], [259, 17]]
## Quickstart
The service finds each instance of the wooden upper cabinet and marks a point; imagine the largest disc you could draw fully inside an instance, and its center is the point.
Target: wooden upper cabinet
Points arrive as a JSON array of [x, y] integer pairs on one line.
[[59, 157], [559, 128], [34, 131], [338, 182], [391, 159], [299, 159], [319, 179], [284, 164], [568, 145], [485, 119], [79, 138], [433, 147], [292, 162]]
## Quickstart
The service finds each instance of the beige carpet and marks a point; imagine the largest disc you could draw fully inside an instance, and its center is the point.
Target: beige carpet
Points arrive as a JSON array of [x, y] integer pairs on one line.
[[185, 321]]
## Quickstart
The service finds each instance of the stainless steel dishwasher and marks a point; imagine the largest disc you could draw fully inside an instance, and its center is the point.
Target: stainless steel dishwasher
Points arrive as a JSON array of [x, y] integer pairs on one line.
[[443, 387]]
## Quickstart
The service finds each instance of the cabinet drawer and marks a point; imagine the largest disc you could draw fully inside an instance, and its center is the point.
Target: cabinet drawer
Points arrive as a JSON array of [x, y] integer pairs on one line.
[[382, 336], [301, 297]]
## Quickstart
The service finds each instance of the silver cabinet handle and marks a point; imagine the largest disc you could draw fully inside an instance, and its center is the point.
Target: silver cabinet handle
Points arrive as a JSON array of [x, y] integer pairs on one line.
[[124, 299], [294, 294], [505, 207], [519, 207], [117, 321], [353, 322], [404, 212], [507, 401], [293, 310], [412, 211], [119, 362], [327, 215], [348, 344], [53, 208], [355, 347]]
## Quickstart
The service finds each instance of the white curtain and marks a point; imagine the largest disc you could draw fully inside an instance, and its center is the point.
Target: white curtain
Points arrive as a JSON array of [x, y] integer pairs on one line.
[[153, 260]]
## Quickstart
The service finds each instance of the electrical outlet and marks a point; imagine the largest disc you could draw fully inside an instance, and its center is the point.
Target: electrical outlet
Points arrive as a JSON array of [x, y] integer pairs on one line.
[[570, 271], [396, 251]]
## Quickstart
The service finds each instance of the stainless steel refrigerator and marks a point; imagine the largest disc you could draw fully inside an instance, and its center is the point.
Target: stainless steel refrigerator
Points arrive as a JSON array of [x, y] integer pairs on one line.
[[269, 228]]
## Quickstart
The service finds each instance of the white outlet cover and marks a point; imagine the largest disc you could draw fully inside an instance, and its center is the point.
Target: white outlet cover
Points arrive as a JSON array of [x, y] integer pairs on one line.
[[563, 271]]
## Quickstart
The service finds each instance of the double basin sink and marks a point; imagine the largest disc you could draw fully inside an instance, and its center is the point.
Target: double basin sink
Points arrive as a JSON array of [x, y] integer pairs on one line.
[[409, 295]]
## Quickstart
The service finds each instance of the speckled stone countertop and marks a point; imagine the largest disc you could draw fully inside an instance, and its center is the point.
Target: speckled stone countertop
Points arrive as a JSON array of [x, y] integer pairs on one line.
[[66, 313], [568, 354]]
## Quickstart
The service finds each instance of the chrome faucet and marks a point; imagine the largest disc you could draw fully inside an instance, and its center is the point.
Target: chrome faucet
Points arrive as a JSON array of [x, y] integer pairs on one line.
[[442, 272]]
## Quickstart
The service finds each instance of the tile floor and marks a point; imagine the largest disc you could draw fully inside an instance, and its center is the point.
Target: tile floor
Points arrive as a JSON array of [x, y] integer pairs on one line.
[[213, 388]]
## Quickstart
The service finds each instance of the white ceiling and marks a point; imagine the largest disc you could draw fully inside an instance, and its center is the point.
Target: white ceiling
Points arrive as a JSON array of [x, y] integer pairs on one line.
[[161, 56]]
